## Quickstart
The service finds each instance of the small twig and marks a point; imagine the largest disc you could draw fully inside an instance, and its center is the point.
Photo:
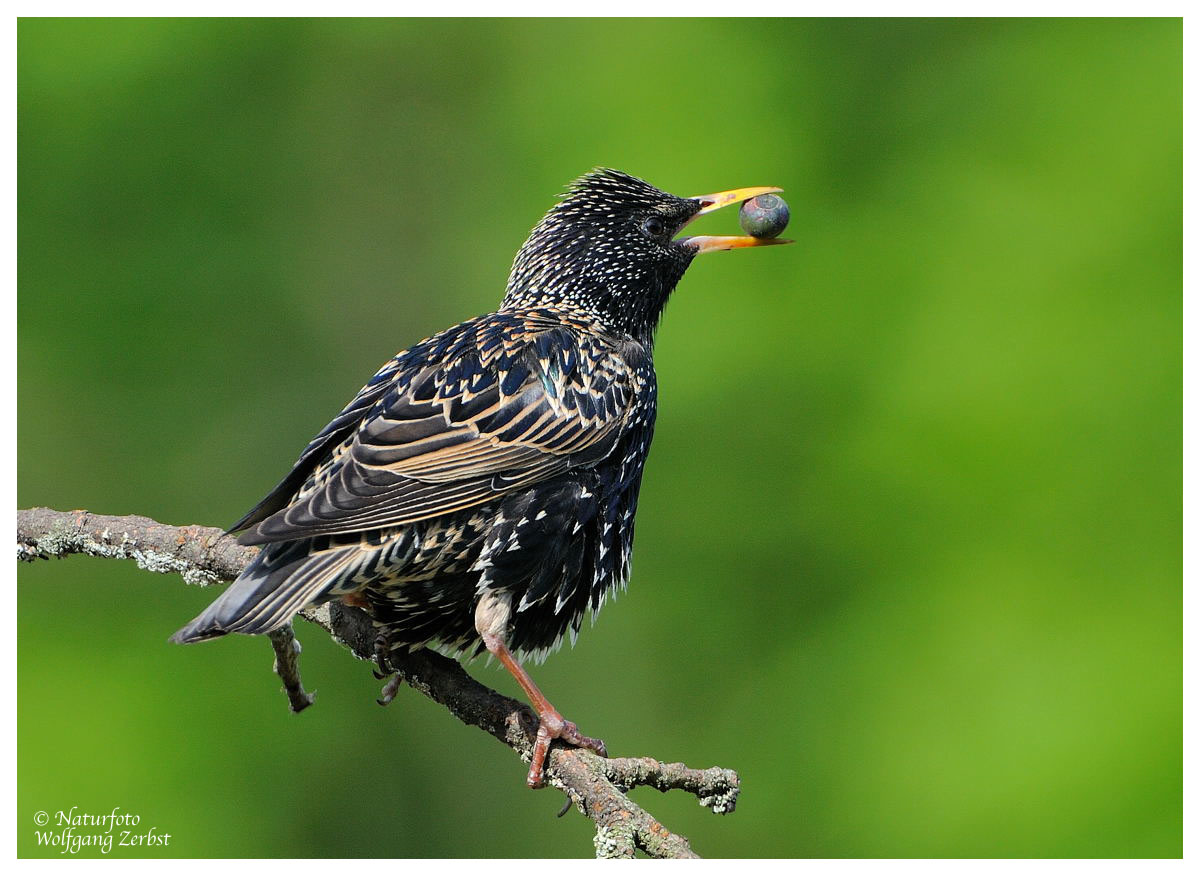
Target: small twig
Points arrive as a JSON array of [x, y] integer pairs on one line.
[[597, 787], [716, 788], [201, 554], [287, 667]]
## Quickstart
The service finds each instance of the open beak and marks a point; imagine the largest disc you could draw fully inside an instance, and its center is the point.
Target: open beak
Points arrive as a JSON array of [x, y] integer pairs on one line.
[[709, 203]]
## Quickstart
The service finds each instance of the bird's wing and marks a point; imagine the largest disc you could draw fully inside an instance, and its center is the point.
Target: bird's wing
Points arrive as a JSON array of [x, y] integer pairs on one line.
[[490, 407], [319, 448]]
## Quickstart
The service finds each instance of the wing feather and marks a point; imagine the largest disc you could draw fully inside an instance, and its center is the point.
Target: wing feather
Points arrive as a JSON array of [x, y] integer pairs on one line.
[[321, 446], [494, 405]]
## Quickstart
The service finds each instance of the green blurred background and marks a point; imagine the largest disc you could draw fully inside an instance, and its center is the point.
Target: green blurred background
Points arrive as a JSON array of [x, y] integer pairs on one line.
[[909, 550]]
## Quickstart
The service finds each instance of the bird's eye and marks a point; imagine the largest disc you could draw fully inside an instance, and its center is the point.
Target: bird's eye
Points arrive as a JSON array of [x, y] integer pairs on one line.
[[653, 226]]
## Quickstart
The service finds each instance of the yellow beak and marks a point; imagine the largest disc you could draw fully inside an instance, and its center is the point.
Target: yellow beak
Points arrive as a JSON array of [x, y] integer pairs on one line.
[[709, 203]]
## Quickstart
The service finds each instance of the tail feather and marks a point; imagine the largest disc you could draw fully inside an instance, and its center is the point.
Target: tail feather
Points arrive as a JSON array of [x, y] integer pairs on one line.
[[268, 593]]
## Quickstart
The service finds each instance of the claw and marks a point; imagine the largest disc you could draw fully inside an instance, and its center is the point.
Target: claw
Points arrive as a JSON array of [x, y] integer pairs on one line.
[[382, 654], [551, 726], [389, 690], [383, 661]]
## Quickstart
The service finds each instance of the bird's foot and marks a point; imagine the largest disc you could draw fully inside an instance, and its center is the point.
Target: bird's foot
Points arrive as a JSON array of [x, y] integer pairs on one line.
[[383, 650], [551, 726], [389, 690]]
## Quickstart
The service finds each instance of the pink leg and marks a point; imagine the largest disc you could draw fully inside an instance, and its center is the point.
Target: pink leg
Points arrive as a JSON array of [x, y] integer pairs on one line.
[[551, 725]]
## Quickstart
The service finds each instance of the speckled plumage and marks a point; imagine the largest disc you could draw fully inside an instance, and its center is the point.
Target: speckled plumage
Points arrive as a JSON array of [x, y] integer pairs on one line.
[[526, 479], [485, 481]]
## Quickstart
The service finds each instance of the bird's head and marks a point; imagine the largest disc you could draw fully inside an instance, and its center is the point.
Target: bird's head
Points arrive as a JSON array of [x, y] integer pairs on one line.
[[609, 248]]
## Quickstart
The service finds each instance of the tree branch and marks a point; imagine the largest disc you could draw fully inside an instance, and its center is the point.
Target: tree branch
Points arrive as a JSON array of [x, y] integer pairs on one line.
[[597, 787]]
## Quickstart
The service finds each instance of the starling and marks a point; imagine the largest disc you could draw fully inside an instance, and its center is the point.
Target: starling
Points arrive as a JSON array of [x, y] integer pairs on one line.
[[480, 491]]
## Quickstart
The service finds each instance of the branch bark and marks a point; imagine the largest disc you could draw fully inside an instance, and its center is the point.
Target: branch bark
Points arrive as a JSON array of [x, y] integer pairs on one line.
[[597, 787]]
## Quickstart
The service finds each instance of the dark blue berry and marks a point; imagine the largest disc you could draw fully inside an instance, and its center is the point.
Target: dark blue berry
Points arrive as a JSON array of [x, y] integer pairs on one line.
[[764, 216]]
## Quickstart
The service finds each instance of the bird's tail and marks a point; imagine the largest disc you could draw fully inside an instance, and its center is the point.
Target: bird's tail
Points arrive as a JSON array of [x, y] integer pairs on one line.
[[279, 582]]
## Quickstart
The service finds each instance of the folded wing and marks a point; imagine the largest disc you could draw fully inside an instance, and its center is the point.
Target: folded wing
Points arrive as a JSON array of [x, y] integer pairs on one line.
[[501, 405]]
